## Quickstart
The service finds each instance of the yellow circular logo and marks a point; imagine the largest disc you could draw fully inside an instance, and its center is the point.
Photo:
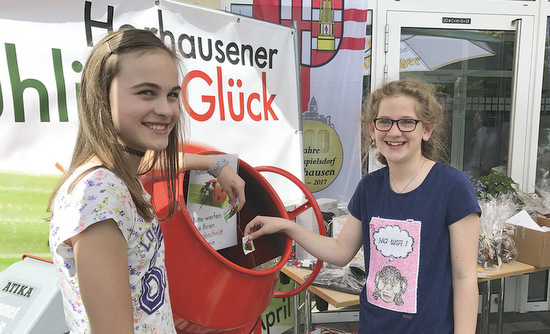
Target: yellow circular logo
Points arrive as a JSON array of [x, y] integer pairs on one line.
[[323, 155]]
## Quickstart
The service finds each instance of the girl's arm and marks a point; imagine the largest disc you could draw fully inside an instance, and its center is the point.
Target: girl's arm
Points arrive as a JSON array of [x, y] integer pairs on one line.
[[231, 182], [337, 251], [464, 236], [102, 268], [198, 161]]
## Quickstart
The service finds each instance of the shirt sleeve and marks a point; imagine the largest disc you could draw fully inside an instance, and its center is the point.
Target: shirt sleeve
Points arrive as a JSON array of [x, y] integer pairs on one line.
[[358, 197], [462, 199], [98, 196]]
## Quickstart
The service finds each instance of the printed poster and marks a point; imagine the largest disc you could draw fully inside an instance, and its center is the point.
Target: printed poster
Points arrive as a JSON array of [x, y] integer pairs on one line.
[[331, 45], [209, 208], [394, 261]]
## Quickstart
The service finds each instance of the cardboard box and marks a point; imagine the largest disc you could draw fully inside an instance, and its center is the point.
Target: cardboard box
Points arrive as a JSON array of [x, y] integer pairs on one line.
[[328, 205], [533, 246]]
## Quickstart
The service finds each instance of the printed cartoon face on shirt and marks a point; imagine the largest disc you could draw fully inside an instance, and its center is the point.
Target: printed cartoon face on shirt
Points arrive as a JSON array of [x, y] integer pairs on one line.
[[390, 285]]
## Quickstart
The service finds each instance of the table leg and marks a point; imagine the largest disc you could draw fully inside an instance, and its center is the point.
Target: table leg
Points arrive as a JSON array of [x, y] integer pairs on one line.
[[500, 306], [296, 310], [307, 311], [483, 288], [485, 307]]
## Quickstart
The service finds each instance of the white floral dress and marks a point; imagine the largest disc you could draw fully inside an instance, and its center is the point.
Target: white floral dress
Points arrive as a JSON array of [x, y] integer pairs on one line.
[[98, 196]]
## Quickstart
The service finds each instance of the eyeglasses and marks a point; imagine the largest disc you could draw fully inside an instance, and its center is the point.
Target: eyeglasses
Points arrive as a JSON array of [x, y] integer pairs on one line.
[[404, 125]]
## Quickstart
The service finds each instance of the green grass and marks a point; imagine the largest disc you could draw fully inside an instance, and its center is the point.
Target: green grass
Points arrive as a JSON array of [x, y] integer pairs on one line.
[[23, 225]]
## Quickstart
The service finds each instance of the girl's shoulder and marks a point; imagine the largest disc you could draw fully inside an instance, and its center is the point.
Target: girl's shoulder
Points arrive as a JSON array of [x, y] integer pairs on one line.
[[443, 176], [93, 176], [377, 174], [374, 175], [374, 179], [93, 171], [448, 172]]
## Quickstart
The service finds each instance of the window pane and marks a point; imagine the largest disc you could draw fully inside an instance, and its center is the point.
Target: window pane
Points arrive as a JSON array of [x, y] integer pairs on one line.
[[470, 72], [543, 156], [240, 9]]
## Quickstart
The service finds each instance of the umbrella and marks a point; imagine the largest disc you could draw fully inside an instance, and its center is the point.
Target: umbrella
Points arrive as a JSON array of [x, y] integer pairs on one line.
[[427, 53]]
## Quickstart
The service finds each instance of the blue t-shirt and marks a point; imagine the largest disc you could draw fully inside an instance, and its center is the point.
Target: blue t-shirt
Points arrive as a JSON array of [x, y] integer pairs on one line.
[[407, 250]]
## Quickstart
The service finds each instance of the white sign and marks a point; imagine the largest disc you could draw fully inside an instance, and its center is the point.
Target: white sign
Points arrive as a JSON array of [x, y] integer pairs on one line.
[[239, 81], [209, 207]]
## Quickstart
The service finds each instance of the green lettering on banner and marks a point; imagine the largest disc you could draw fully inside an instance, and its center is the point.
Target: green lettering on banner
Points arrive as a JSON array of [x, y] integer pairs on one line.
[[18, 87], [60, 84], [1, 101]]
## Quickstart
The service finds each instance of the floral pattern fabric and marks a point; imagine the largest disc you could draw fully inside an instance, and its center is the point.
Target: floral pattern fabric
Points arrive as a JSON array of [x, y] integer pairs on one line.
[[98, 196]]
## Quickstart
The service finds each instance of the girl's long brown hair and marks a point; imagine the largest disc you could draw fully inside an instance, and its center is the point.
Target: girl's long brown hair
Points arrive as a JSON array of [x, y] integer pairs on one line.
[[97, 136]]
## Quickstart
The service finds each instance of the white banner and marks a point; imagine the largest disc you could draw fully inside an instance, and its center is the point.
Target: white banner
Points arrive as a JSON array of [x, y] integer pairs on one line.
[[240, 76]]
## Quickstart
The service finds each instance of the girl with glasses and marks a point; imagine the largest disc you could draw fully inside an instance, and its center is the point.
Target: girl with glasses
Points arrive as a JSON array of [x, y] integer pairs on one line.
[[417, 220]]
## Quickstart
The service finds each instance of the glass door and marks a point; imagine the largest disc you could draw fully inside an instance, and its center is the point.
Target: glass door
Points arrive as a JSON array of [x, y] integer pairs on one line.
[[471, 72], [471, 63]]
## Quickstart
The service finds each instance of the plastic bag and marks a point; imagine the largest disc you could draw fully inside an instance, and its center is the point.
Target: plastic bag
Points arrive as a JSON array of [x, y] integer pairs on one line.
[[495, 243], [350, 278]]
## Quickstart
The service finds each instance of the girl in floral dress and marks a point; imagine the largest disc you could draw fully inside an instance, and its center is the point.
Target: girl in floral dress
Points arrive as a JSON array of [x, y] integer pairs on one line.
[[105, 239]]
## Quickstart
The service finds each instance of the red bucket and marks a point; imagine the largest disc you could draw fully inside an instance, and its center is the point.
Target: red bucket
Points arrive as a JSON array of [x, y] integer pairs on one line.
[[218, 291]]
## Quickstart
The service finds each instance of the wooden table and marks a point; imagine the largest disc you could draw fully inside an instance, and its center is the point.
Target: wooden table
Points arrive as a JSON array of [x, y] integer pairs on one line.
[[514, 268], [342, 299], [335, 298]]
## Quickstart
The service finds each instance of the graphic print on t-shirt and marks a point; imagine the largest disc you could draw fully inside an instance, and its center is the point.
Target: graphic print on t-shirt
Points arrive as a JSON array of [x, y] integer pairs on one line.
[[393, 267], [154, 281]]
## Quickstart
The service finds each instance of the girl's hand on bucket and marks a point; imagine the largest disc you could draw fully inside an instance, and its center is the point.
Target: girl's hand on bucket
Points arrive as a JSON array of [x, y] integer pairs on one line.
[[262, 225], [233, 185]]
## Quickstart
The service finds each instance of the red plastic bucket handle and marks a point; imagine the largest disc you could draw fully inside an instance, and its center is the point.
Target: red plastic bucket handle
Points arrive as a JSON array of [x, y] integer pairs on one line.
[[310, 203]]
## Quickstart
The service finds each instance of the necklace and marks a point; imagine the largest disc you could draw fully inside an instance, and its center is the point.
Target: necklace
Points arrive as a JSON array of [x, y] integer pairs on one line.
[[415, 175], [132, 151]]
